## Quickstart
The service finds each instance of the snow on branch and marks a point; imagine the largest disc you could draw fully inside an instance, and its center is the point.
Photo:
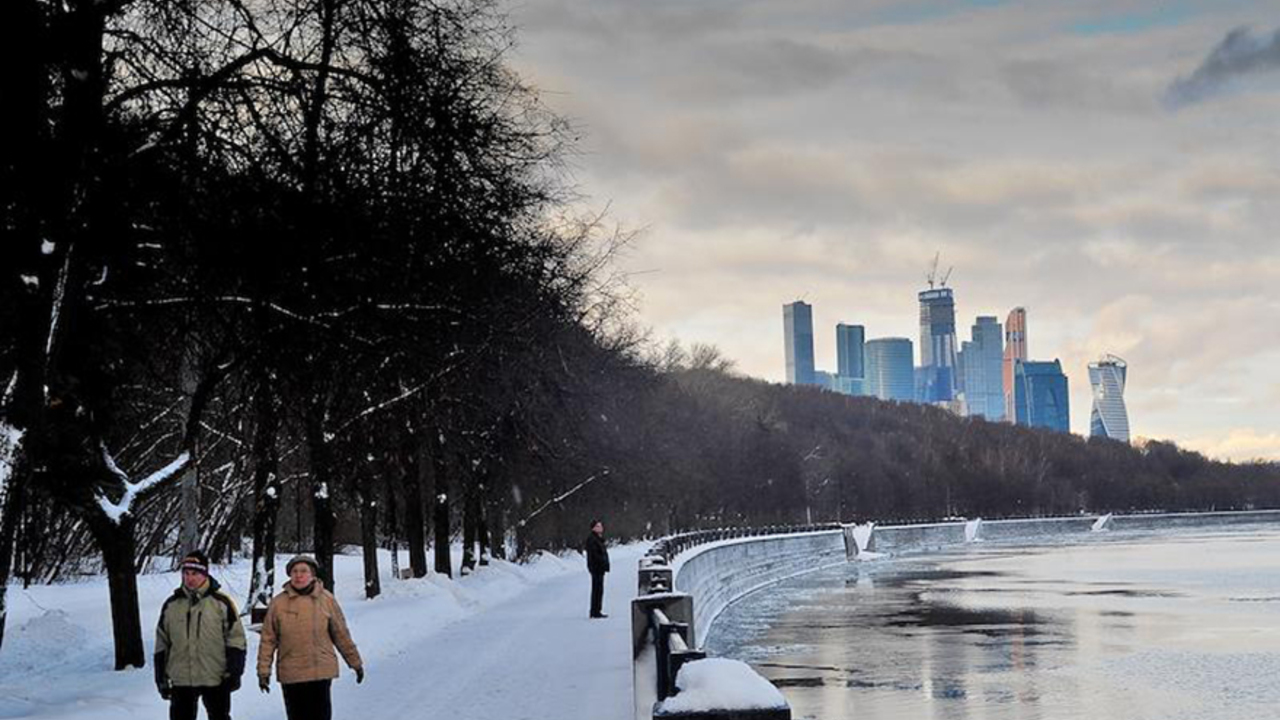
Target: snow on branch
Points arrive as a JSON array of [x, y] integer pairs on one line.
[[117, 510], [10, 441], [59, 297], [561, 497], [9, 390]]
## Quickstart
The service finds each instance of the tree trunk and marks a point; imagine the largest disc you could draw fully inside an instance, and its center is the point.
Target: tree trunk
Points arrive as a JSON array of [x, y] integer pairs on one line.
[[469, 536], [116, 542], [23, 167], [266, 492], [369, 537], [482, 534], [392, 527], [321, 489], [189, 534], [440, 512], [415, 477], [440, 523], [440, 502], [13, 506], [497, 532]]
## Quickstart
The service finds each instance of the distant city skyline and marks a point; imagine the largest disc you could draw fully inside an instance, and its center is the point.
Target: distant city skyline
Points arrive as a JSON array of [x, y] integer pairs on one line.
[[1086, 161]]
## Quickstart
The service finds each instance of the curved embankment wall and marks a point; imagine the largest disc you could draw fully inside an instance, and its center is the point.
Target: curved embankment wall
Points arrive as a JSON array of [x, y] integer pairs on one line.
[[719, 573]]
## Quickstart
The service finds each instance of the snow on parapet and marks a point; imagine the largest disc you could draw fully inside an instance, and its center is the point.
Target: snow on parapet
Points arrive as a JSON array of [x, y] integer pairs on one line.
[[971, 529], [862, 536], [721, 684], [117, 510], [1101, 523]]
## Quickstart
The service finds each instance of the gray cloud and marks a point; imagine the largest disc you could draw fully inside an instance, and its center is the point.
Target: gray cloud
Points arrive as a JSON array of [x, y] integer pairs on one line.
[[1240, 54], [775, 151]]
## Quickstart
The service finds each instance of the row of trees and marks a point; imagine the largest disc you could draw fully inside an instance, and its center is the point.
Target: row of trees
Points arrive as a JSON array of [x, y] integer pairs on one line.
[[250, 248], [699, 447]]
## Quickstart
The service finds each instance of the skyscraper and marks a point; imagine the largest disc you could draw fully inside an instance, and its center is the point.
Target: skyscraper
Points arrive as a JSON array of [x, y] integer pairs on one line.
[[797, 327], [849, 342], [890, 375], [937, 344], [981, 370], [1015, 349], [1109, 418], [1040, 395]]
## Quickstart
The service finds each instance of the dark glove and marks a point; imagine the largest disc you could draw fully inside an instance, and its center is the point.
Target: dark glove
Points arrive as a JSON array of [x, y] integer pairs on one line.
[[235, 662], [233, 683], [161, 666], [165, 692], [264, 683], [359, 675]]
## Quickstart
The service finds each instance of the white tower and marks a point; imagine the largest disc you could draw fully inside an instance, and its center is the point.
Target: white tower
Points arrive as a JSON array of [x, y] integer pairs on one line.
[[1109, 418]]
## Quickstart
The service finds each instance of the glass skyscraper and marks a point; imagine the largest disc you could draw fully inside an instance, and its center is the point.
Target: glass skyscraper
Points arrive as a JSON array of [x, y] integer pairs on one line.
[[1109, 418], [849, 342], [1040, 395], [980, 364], [797, 327], [1015, 349], [890, 375], [937, 345]]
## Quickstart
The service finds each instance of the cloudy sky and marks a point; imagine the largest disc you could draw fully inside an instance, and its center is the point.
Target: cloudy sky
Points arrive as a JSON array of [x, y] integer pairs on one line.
[[1112, 166]]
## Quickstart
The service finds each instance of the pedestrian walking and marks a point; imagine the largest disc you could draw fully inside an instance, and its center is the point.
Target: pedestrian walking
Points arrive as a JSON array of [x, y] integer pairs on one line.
[[305, 628], [597, 565], [200, 645]]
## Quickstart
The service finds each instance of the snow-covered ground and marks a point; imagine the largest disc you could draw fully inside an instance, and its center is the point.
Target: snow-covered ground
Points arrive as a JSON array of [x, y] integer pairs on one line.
[[510, 642]]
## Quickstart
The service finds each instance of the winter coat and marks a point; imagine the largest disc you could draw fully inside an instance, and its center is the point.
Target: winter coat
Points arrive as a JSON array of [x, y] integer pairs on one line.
[[199, 639], [304, 628], [597, 555]]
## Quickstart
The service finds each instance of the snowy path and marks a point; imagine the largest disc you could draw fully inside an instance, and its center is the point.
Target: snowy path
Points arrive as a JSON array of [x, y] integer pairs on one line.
[[508, 643], [536, 657]]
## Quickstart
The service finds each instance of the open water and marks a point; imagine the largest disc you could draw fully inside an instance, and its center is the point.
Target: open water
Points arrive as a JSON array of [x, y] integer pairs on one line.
[[1177, 624]]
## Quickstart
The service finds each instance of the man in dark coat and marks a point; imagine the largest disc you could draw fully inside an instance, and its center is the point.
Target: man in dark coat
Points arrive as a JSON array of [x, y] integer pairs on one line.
[[597, 565]]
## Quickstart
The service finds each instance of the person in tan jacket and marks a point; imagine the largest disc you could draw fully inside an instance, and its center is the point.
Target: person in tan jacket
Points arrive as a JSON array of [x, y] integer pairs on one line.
[[306, 628]]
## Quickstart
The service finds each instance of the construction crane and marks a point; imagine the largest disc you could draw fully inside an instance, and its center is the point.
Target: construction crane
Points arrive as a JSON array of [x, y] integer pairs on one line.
[[932, 277]]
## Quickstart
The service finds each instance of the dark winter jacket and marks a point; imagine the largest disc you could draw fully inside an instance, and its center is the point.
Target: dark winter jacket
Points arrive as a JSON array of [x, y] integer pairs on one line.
[[199, 639], [597, 555], [305, 628]]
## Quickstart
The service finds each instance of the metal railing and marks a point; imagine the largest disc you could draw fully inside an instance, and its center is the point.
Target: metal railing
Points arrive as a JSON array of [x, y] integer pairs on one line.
[[669, 547], [671, 641]]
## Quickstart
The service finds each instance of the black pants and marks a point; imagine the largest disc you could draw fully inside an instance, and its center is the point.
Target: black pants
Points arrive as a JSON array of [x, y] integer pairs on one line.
[[308, 700], [597, 593], [217, 702]]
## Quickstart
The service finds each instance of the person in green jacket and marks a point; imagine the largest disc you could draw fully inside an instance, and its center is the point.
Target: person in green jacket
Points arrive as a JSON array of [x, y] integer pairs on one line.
[[200, 645]]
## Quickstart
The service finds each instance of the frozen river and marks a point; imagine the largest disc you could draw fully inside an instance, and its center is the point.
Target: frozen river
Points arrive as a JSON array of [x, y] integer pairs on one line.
[[1168, 625]]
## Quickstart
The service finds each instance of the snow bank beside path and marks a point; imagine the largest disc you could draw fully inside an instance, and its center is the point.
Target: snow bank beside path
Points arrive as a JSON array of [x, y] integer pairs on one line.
[[57, 658]]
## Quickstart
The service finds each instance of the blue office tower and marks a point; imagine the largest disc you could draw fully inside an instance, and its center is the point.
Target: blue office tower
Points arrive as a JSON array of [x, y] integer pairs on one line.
[[937, 345], [1040, 395], [849, 354], [890, 375], [797, 326], [981, 362]]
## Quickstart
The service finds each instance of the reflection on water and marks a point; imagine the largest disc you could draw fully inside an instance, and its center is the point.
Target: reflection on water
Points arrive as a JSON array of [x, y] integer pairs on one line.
[[1174, 625]]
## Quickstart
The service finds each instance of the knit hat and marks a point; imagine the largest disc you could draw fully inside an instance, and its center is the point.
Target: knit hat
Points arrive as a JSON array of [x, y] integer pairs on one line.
[[315, 568], [196, 560]]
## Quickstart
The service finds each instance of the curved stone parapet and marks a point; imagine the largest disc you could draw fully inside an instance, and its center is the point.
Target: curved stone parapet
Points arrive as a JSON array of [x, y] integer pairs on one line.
[[719, 573]]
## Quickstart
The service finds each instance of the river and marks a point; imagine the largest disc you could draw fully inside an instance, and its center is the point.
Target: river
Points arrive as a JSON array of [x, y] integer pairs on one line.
[[1170, 624]]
